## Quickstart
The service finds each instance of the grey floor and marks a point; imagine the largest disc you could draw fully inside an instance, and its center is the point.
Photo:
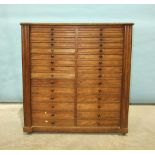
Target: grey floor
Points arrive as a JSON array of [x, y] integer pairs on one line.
[[141, 133]]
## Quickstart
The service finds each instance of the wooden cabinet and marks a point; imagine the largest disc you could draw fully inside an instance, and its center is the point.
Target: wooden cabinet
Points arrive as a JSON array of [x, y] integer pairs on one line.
[[76, 77]]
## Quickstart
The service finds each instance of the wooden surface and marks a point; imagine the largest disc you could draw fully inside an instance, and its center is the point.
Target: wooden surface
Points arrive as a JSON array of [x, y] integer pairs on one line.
[[76, 77]]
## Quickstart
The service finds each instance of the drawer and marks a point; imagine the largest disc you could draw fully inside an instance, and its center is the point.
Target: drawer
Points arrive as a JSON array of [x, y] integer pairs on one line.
[[47, 90], [53, 75], [52, 123], [100, 75], [52, 83], [96, 70], [51, 69], [40, 37], [98, 90], [111, 83], [101, 51], [40, 45], [51, 56], [52, 98], [48, 107], [64, 40], [100, 63], [55, 51], [111, 98], [100, 57], [96, 107], [98, 115], [52, 115], [64, 34], [102, 123], [101, 45], [53, 62], [40, 30]]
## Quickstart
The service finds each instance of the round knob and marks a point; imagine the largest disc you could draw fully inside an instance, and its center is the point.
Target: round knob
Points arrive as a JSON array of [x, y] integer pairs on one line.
[[52, 62], [100, 51], [98, 115], [52, 122], [100, 69], [99, 98], [99, 106], [52, 69], [99, 83], [100, 62], [99, 90], [53, 106], [46, 121], [100, 76], [52, 56], [100, 56], [52, 90], [52, 82], [52, 98], [53, 115]]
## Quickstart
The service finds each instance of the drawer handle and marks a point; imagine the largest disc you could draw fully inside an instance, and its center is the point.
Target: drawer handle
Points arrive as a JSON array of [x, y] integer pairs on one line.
[[100, 76], [100, 69], [46, 121], [52, 82], [99, 83], [52, 122], [100, 62], [99, 98], [100, 45], [52, 75], [52, 62], [52, 114], [98, 115], [52, 106], [99, 90], [99, 106], [52, 98], [52, 69], [52, 44], [100, 56], [52, 90], [52, 56], [98, 123]]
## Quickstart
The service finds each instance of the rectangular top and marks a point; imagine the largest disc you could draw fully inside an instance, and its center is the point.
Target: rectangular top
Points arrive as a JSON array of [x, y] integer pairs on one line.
[[76, 23]]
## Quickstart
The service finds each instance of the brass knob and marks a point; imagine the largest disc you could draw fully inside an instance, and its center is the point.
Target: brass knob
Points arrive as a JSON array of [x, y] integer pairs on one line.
[[45, 112], [46, 121]]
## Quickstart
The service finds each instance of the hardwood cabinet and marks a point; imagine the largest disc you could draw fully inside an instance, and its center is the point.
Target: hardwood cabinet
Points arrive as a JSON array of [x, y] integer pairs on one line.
[[76, 77]]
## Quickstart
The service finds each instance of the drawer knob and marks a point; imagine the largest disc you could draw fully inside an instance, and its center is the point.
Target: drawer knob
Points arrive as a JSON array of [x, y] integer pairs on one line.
[[98, 115], [52, 90], [52, 69], [52, 122], [100, 56], [52, 98], [99, 83], [99, 106], [45, 112], [46, 121], [98, 123], [100, 69], [99, 90], [52, 56], [100, 51], [52, 62], [100, 76], [53, 115], [99, 98], [52, 82], [100, 62]]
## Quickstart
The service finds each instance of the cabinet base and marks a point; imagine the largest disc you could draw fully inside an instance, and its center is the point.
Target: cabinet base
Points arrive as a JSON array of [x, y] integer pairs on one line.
[[75, 129]]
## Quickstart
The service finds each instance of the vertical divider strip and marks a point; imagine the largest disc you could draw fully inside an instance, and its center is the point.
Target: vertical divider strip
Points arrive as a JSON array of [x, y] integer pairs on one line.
[[76, 76]]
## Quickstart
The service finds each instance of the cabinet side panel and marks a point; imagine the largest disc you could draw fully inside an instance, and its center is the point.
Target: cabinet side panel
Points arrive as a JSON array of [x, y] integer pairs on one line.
[[26, 77], [126, 77]]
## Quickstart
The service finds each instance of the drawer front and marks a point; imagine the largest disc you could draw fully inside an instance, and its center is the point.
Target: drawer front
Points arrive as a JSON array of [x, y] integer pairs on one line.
[[101, 90], [100, 123], [52, 98], [96, 107], [52, 69], [53, 75], [53, 62], [110, 83], [52, 83], [52, 123], [51, 56], [100, 63], [111, 98], [47, 90], [55, 107], [53, 51], [98, 115]]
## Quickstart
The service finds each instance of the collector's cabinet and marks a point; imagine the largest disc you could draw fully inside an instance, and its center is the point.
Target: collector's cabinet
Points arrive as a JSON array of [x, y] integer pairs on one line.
[[76, 77]]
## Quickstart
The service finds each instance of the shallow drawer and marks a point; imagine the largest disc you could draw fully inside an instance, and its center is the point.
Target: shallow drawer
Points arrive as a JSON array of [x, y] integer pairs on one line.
[[100, 63], [48, 107], [97, 83], [113, 98], [96, 107], [103, 123], [51, 56], [52, 123], [98, 115], [98, 90], [46, 90], [101, 45], [53, 62], [40, 29], [100, 75], [100, 57], [50, 51], [52, 69], [52, 114], [53, 75], [99, 51], [52, 98], [52, 83]]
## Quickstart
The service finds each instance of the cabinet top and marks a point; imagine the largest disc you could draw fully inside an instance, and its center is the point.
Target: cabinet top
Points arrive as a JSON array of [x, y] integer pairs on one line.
[[76, 23]]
